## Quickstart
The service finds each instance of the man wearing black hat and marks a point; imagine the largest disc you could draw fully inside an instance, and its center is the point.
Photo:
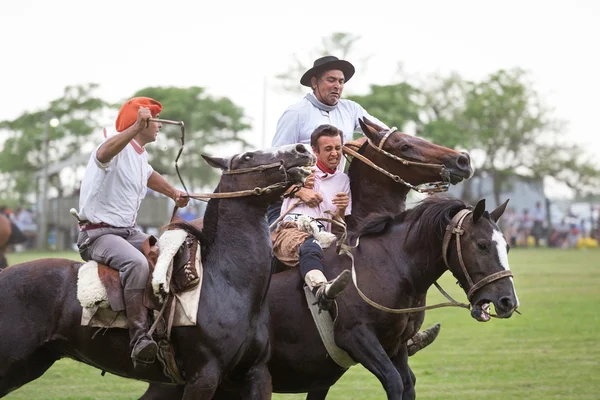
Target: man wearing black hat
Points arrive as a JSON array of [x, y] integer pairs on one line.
[[324, 105]]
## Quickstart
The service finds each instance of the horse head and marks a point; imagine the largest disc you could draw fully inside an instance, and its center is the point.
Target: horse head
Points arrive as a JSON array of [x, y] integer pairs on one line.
[[479, 260], [269, 171], [414, 159]]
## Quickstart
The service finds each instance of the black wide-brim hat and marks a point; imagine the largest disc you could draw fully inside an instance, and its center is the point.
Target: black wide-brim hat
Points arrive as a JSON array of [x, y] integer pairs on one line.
[[328, 63]]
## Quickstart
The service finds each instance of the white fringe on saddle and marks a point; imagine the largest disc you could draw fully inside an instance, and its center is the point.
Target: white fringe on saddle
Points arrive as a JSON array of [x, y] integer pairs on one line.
[[168, 244], [309, 225], [90, 290]]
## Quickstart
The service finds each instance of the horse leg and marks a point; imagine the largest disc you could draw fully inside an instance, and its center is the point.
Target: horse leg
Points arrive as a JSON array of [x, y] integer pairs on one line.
[[202, 384], [364, 348], [16, 372], [257, 379], [159, 391], [317, 394], [409, 380], [258, 384]]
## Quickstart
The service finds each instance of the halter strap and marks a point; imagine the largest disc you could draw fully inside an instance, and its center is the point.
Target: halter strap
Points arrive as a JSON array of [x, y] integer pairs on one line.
[[434, 187], [455, 228]]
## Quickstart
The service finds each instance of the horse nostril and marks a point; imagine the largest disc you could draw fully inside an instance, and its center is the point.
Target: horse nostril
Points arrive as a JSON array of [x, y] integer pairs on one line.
[[506, 303], [463, 161], [300, 148]]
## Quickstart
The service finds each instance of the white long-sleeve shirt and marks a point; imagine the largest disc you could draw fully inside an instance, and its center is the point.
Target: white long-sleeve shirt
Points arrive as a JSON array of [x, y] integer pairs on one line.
[[300, 120]]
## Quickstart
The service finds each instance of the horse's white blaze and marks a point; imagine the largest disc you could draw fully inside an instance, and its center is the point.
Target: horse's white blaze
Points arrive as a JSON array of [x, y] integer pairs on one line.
[[501, 245]]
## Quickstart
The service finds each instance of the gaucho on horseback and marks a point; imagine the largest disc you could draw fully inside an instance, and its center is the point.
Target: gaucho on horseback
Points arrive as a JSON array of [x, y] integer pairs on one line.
[[305, 230], [115, 183]]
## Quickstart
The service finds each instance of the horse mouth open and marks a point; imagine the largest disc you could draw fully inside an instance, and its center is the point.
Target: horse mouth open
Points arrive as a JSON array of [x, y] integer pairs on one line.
[[299, 173], [455, 177], [482, 312]]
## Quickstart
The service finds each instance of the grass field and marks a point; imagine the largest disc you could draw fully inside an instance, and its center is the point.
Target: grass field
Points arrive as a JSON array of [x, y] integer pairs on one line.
[[551, 351]]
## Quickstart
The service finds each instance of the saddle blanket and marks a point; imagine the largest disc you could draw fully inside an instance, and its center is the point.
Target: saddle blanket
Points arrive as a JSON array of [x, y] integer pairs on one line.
[[92, 295]]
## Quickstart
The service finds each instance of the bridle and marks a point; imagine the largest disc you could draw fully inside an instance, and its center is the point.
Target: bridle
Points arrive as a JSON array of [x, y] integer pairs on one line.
[[455, 228], [433, 187], [257, 191]]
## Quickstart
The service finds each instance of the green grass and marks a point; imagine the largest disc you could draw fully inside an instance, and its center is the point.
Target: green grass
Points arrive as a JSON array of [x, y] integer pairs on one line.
[[551, 351]]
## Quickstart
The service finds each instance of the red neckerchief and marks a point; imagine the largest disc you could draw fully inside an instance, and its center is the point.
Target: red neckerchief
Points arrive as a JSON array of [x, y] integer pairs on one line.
[[323, 168]]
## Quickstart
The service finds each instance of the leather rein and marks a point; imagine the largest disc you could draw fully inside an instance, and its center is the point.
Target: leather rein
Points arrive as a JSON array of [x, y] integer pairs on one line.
[[433, 187], [453, 228], [241, 193]]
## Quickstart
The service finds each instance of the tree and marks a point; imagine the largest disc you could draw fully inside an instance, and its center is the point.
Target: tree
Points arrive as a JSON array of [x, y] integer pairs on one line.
[[506, 119], [402, 95], [211, 124], [78, 111]]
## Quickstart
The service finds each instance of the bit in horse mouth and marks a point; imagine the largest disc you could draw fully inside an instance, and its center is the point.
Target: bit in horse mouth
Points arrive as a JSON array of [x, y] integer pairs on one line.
[[481, 311]]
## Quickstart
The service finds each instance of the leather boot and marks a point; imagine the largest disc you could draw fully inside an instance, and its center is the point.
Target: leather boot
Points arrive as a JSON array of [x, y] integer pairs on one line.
[[143, 347], [326, 292]]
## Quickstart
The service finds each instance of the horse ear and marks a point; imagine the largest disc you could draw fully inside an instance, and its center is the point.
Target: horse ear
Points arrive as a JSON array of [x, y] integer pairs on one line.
[[373, 125], [369, 132], [479, 210], [216, 162], [497, 213]]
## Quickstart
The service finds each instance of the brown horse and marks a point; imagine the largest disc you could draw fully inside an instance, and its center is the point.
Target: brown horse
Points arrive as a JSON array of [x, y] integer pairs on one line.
[[9, 234], [40, 314], [407, 161]]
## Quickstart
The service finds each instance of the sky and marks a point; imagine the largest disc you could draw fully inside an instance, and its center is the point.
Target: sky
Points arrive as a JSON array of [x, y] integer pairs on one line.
[[235, 48]]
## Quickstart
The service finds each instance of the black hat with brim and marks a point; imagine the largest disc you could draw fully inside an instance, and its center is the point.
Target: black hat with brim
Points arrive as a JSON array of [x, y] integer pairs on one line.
[[327, 63]]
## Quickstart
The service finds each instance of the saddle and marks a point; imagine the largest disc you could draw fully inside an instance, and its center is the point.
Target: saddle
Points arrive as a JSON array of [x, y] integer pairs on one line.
[[183, 277]]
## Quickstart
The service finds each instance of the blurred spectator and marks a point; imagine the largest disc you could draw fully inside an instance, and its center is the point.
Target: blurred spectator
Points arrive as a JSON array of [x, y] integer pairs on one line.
[[187, 214], [23, 219], [538, 217], [559, 235], [525, 226], [510, 221]]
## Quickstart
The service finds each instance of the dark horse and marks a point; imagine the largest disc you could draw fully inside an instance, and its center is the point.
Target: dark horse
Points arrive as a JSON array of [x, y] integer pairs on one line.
[[406, 159], [40, 314], [398, 258], [9, 234]]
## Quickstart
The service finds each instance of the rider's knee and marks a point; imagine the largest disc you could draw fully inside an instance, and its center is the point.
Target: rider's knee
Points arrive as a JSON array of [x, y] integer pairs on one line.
[[310, 247]]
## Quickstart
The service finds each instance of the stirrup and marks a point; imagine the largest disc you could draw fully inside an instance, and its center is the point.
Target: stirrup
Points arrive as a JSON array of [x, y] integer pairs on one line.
[[150, 346], [322, 300]]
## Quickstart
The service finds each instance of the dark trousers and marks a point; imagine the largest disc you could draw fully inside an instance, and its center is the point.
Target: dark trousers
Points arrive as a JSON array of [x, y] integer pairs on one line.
[[311, 256], [273, 213]]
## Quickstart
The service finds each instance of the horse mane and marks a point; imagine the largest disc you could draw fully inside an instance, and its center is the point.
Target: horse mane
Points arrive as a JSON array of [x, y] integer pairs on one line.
[[360, 151], [206, 235], [428, 219]]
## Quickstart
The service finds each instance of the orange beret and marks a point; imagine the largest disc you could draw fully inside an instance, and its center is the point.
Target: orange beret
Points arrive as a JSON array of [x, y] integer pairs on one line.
[[129, 111]]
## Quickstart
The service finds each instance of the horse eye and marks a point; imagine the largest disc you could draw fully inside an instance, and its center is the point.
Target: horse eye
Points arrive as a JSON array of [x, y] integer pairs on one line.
[[482, 246], [405, 147], [247, 157]]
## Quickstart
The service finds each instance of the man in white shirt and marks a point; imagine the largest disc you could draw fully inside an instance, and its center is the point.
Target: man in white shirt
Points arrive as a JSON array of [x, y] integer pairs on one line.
[[115, 183], [323, 105], [333, 186]]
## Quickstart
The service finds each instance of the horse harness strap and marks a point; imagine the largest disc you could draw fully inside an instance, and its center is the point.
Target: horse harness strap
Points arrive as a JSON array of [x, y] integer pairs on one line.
[[455, 228], [346, 249], [435, 187], [250, 192]]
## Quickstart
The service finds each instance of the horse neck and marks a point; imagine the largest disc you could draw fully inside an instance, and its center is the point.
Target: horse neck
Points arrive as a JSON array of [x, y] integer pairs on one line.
[[424, 260], [237, 228], [374, 192]]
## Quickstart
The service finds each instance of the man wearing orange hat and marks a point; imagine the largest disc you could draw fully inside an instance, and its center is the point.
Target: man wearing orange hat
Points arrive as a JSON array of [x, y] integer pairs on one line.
[[115, 183]]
